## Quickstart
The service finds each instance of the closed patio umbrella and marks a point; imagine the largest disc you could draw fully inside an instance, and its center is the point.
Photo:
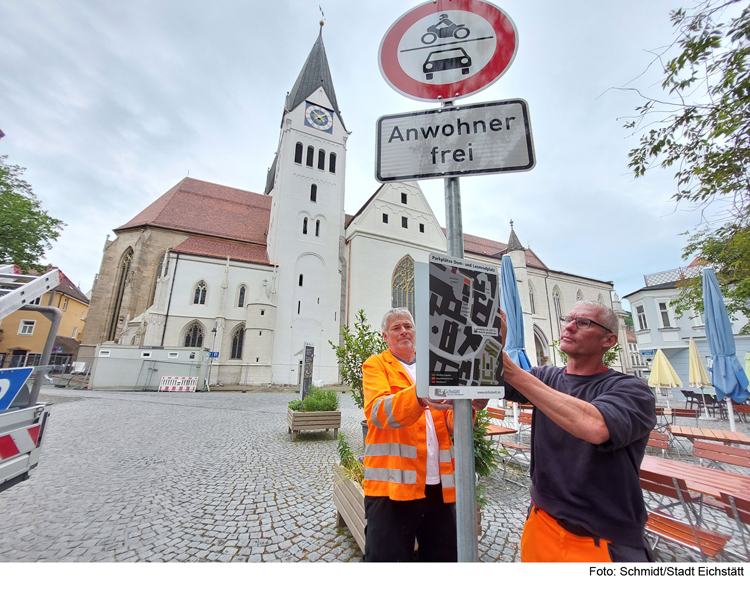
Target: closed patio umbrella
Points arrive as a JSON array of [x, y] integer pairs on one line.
[[663, 375], [510, 302], [697, 374], [728, 377]]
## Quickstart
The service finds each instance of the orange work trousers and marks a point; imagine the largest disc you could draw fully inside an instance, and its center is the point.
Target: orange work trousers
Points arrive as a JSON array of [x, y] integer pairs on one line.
[[545, 540]]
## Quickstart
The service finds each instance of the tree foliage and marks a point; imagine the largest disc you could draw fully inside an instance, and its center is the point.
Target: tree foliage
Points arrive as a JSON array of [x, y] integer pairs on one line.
[[26, 230], [359, 344], [704, 131]]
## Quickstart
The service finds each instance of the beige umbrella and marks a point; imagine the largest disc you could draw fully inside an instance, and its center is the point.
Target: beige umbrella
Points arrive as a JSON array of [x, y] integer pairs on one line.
[[697, 373], [663, 375]]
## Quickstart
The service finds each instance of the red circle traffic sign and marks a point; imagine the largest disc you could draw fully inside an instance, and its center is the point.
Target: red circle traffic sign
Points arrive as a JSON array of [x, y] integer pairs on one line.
[[447, 49]]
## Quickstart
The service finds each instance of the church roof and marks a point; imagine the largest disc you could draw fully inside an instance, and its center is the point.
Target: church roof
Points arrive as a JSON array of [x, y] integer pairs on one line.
[[493, 249], [199, 207], [221, 249], [513, 242], [271, 176], [315, 74]]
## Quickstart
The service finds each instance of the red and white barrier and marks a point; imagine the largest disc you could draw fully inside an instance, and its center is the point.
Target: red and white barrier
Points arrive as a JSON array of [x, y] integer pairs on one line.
[[18, 442], [178, 384]]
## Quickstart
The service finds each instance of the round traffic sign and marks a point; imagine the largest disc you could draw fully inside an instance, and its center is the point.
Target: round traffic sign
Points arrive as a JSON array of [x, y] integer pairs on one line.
[[446, 49]]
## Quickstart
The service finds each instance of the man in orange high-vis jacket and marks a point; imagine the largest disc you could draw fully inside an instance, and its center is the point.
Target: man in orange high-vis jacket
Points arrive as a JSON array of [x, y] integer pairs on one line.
[[410, 489]]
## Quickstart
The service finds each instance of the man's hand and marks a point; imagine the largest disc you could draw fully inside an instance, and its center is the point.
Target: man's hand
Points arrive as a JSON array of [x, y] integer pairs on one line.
[[503, 327], [437, 404], [479, 403]]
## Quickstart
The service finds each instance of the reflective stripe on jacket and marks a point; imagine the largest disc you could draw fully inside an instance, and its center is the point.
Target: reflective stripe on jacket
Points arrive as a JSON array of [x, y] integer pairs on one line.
[[396, 445]]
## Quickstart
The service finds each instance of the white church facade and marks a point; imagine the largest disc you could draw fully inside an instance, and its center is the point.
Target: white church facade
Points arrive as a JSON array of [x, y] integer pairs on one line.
[[256, 276]]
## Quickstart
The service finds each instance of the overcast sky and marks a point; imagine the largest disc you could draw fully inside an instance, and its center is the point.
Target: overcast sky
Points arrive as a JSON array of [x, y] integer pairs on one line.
[[110, 104]]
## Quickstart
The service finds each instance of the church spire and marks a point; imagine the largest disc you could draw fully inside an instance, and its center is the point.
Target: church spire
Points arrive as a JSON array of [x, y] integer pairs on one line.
[[513, 242], [315, 74]]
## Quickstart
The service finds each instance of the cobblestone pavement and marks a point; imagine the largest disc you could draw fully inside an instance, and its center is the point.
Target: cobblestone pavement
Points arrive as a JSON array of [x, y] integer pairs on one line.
[[130, 476]]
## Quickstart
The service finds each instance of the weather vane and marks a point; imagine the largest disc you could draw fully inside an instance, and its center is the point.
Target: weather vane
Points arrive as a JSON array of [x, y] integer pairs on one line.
[[323, 16]]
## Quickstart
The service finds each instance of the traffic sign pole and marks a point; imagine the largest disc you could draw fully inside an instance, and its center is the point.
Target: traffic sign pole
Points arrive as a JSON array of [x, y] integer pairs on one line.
[[463, 428]]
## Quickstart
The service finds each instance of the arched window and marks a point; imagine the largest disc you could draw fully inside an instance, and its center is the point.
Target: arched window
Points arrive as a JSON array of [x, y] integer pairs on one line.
[[122, 278], [579, 295], [301, 279], [402, 284], [317, 227], [313, 192], [194, 335], [304, 226], [531, 298], [310, 155], [557, 303], [601, 300], [298, 153], [241, 297], [332, 162], [199, 295], [321, 160], [238, 338]]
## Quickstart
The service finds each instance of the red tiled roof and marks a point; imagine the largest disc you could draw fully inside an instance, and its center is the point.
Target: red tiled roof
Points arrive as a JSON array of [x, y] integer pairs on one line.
[[221, 249], [491, 248], [206, 208]]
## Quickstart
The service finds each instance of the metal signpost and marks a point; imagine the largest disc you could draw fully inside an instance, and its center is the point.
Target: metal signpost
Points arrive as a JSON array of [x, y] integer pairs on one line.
[[440, 51]]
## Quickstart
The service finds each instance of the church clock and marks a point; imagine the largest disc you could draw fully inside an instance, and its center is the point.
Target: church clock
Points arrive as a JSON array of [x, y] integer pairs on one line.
[[319, 118]]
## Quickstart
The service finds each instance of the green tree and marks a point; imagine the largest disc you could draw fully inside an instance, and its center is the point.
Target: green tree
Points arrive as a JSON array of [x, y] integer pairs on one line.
[[359, 344], [703, 129], [26, 230]]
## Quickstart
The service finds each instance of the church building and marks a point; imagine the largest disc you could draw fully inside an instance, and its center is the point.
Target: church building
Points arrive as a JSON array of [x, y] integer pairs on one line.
[[256, 276]]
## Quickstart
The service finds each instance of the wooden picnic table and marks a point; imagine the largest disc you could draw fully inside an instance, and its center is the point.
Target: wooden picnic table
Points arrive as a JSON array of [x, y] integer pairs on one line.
[[706, 481], [731, 437]]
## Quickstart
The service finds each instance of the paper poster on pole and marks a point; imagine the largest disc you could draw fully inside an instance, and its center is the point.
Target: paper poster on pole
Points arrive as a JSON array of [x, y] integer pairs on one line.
[[459, 349]]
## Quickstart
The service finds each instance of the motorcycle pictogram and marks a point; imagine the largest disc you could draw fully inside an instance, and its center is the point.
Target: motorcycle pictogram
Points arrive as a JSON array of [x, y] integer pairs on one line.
[[444, 29]]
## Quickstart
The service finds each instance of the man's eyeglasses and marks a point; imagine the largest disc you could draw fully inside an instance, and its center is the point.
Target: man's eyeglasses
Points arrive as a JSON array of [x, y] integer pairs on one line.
[[581, 323]]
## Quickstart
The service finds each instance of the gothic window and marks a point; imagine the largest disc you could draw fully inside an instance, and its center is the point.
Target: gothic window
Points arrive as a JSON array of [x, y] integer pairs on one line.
[[194, 335], [332, 162], [402, 284], [557, 302], [317, 227], [321, 160], [298, 153], [579, 295], [161, 269], [313, 192], [238, 338], [304, 226], [241, 297], [199, 295], [310, 155], [531, 298], [122, 277]]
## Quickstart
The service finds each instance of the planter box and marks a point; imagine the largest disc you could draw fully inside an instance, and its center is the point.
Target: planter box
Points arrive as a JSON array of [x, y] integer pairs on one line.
[[313, 421], [349, 498]]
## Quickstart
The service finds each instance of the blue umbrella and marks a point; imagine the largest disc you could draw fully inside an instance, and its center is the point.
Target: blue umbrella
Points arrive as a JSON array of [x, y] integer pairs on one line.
[[728, 377], [510, 303]]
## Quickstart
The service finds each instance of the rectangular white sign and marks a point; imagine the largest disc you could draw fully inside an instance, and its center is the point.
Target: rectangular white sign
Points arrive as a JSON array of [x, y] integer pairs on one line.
[[459, 351], [452, 141]]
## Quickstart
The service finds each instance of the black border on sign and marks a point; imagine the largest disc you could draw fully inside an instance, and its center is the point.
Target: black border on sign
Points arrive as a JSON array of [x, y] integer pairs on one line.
[[527, 129]]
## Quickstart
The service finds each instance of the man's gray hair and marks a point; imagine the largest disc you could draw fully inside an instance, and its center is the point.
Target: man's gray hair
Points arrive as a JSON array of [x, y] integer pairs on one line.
[[393, 313], [606, 314]]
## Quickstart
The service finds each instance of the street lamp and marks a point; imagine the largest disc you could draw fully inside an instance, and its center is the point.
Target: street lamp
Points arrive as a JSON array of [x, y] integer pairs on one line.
[[211, 361]]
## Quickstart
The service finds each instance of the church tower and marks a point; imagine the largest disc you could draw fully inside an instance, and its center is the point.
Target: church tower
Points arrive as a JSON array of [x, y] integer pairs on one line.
[[306, 229]]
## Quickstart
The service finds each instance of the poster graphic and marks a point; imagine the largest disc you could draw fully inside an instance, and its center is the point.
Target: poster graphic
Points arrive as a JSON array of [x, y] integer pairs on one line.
[[465, 359]]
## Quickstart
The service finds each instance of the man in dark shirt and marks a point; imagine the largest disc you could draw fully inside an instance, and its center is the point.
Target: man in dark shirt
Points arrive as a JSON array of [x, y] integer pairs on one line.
[[589, 432]]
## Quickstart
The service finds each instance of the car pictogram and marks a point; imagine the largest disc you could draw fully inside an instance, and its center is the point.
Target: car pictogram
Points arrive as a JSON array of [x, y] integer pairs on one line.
[[446, 59]]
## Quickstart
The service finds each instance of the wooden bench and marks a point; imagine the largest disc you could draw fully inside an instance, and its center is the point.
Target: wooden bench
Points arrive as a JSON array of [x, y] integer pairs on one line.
[[738, 509], [691, 413], [732, 437], [742, 410], [515, 451], [659, 441], [665, 527], [718, 454]]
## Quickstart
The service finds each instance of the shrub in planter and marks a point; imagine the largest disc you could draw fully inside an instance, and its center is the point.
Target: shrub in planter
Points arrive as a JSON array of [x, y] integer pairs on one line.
[[319, 410]]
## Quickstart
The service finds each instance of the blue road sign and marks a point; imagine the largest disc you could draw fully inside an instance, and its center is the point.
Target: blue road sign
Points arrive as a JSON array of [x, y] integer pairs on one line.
[[647, 352], [214, 354], [11, 381]]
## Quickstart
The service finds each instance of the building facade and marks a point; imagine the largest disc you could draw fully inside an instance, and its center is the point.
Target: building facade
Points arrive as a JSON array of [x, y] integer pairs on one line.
[[257, 276]]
